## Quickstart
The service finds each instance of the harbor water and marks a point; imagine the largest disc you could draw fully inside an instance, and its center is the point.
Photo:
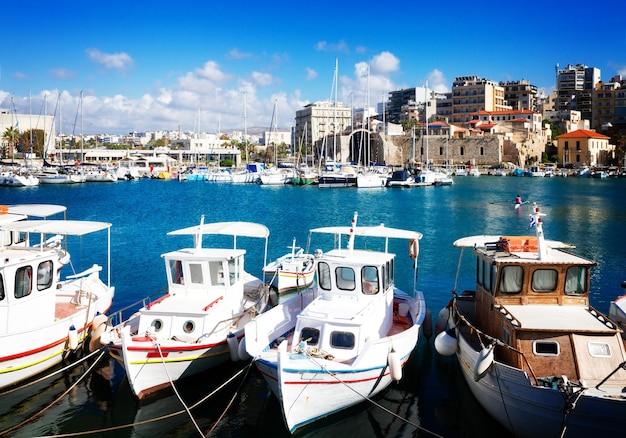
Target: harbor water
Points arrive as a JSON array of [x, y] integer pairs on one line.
[[94, 399]]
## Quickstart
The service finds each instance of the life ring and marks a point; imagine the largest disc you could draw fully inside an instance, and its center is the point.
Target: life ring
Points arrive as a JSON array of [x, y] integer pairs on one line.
[[413, 249]]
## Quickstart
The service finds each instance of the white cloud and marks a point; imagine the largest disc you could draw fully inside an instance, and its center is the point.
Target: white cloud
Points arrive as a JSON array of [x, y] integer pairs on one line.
[[62, 73], [324, 46], [384, 63], [118, 61], [310, 74], [437, 81], [262, 79], [237, 54]]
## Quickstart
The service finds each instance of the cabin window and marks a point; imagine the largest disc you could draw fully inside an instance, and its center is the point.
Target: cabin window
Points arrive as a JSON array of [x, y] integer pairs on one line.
[[195, 271], [545, 348], [23, 284], [511, 280], [1, 288], [369, 280], [233, 272], [310, 335], [575, 280], [176, 269], [599, 349], [391, 271], [544, 280], [44, 275], [157, 325], [217, 273], [345, 278], [323, 274], [487, 276], [342, 340], [506, 336], [479, 271], [494, 275], [189, 326]]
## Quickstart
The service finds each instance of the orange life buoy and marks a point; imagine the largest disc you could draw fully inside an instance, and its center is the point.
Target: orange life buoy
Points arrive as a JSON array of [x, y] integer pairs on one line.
[[413, 249]]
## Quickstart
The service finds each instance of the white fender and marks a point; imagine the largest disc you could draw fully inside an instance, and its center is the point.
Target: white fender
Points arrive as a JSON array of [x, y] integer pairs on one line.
[[72, 338], [233, 347], [243, 353], [485, 359], [395, 367], [442, 320], [98, 327], [446, 343]]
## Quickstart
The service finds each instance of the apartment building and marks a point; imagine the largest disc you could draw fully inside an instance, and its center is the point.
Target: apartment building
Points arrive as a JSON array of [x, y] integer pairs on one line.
[[520, 95], [320, 119], [575, 85], [609, 104]]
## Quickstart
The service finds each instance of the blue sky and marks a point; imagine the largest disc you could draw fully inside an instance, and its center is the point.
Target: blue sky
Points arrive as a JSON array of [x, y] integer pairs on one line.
[[164, 65]]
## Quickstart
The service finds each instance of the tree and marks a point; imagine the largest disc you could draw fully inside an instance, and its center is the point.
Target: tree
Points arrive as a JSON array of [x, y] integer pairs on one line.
[[33, 141], [10, 134]]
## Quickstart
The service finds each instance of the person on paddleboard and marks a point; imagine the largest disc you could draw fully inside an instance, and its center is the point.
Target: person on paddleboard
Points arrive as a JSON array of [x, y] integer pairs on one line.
[[518, 200]]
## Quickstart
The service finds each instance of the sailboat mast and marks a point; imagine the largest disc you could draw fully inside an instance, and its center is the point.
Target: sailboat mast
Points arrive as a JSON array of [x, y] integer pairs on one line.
[[245, 126], [426, 119], [82, 136]]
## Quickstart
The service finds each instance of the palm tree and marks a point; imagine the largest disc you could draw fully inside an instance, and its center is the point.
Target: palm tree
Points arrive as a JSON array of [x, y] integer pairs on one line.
[[9, 136]]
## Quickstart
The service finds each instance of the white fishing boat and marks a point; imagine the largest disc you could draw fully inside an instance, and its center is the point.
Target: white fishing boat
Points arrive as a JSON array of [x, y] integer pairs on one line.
[[292, 272], [346, 340], [533, 351], [199, 322], [46, 308]]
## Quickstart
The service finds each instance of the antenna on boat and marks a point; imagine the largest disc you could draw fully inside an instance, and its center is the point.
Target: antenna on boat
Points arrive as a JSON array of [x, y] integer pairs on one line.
[[198, 239], [352, 227], [537, 222]]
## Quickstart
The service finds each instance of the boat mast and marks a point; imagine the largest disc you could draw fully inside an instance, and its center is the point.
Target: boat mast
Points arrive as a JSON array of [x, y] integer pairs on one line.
[[426, 119], [245, 126]]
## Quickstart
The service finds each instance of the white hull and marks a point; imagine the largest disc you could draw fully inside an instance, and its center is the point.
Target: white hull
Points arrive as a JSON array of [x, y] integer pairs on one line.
[[371, 180], [509, 396], [310, 388], [15, 180], [28, 353]]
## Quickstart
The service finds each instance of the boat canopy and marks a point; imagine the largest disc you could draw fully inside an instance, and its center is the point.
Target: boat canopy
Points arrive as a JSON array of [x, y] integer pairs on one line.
[[248, 229], [482, 241], [65, 227], [235, 229], [376, 231], [36, 210]]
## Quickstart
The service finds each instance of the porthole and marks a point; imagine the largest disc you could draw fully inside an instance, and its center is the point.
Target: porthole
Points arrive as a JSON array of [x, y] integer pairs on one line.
[[157, 324], [188, 326]]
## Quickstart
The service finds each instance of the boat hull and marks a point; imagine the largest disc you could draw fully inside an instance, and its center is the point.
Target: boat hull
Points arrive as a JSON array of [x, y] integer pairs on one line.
[[524, 409], [311, 387], [28, 353], [151, 365]]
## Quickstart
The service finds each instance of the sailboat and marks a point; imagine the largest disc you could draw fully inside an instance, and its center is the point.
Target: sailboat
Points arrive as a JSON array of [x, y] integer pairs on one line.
[[336, 174], [274, 175], [16, 175], [252, 172], [51, 174]]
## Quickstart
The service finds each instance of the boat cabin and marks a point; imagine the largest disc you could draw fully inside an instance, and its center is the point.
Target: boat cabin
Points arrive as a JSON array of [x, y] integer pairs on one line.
[[355, 303], [539, 308], [199, 280]]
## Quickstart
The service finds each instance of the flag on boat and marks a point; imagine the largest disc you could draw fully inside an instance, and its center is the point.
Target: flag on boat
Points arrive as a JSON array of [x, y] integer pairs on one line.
[[533, 221]]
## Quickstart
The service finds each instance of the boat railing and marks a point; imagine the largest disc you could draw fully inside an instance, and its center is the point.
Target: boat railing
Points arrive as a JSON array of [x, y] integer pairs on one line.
[[476, 331], [118, 317]]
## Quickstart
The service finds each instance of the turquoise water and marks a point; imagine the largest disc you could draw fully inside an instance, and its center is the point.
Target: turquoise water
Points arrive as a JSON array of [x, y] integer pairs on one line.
[[589, 213]]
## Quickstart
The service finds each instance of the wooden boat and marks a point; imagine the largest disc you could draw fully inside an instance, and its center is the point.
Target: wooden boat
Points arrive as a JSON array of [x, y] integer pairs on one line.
[[199, 322], [46, 308], [345, 340], [533, 351], [291, 272]]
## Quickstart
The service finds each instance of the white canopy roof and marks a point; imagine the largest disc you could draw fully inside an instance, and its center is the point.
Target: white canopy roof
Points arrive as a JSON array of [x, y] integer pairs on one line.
[[377, 231], [248, 229], [66, 227], [482, 241], [37, 210]]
